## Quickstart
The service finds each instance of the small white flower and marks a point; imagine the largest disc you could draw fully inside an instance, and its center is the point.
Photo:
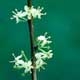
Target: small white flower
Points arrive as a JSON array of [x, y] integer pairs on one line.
[[18, 15], [46, 55], [27, 66], [44, 39], [49, 54], [33, 12], [18, 62], [40, 63], [40, 55], [28, 13], [39, 12]]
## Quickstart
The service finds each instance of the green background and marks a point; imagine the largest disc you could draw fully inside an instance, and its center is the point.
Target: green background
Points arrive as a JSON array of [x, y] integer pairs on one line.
[[62, 22]]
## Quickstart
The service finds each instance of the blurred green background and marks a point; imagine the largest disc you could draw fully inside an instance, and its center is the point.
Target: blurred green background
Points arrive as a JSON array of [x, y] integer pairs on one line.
[[62, 22]]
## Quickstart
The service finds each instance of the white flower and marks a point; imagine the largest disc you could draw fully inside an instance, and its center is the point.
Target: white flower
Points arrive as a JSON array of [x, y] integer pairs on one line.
[[49, 54], [27, 66], [39, 12], [44, 40], [40, 63], [18, 15], [28, 13], [33, 12], [44, 54], [18, 62], [40, 55]]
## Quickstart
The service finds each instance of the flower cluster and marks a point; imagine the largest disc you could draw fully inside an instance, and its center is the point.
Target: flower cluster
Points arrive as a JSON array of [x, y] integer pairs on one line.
[[27, 14], [20, 63], [42, 54], [43, 40], [44, 51]]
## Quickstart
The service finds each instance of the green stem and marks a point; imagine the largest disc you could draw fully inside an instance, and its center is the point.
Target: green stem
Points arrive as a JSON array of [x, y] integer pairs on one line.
[[22, 52], [41, 50]]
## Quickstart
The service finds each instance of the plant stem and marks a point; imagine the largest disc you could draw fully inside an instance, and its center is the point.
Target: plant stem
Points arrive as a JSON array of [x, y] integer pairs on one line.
[[31, 32]]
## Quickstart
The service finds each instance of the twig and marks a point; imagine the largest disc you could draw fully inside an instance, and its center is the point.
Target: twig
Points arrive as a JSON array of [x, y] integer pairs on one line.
[[31, 32]]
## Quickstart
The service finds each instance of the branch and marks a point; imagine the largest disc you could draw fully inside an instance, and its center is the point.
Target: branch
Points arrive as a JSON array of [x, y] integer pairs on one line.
[[31, 32]]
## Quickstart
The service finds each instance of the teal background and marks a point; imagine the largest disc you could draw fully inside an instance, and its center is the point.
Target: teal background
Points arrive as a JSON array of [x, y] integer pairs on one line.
[[62, 22]]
